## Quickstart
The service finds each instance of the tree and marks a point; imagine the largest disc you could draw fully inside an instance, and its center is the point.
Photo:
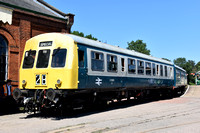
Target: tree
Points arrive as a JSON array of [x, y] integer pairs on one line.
[[180, 62], [197, 66], [138, 46], [81, 34], [189, 66], [91, 37]]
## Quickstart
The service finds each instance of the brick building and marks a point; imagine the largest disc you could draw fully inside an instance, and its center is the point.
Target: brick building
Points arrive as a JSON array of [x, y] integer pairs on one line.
[[19, 21]]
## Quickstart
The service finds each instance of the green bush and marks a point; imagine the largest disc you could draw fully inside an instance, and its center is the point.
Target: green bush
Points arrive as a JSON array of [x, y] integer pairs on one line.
[[190, 83]]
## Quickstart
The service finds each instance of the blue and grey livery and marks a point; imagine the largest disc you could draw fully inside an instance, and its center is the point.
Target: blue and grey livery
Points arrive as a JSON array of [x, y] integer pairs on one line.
[[109, 67]]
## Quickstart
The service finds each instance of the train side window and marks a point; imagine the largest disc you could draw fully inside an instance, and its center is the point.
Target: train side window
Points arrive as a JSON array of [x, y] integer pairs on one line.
[[81, 58], [123, 64], [182, 77], [178, 77], [43, 59], [59, 57], [157, 68], [131, 66], [166, 71], [140, 67], [97, 61], [29, 59], [170, 72], [148, 68], [161, 70], [154, 69], [112, 63]]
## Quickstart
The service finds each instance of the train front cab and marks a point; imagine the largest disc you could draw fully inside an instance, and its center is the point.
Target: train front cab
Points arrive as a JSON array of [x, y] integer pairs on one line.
[[49, 67]]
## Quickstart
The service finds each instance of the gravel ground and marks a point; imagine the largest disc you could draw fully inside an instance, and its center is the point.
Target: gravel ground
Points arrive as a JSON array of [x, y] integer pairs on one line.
[[173, 115]]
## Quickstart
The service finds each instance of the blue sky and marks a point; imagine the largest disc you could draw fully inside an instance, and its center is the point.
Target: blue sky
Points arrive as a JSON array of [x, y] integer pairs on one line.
[[170, 28]]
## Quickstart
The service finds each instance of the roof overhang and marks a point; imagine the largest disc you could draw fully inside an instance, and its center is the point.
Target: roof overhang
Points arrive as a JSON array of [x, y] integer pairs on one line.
[[197, 73], [6, 14]]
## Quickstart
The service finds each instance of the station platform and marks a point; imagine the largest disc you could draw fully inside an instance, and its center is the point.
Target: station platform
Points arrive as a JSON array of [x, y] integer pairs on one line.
[[192, 91]]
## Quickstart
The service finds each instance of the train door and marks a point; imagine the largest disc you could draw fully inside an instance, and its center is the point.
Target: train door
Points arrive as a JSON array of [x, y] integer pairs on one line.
[[123, 70], [82, 62], [122, 60]]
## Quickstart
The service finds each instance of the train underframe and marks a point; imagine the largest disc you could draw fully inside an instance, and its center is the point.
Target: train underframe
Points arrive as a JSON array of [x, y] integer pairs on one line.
[[67, 100]]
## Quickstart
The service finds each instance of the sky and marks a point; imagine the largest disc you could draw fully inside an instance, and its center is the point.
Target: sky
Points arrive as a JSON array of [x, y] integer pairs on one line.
[[170, 28]]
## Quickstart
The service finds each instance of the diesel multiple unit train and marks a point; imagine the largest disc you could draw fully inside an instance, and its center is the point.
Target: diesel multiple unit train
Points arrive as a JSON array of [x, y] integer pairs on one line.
[[67, 71]]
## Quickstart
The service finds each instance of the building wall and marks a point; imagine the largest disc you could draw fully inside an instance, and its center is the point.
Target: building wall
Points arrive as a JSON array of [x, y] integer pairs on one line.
[[24, 26]]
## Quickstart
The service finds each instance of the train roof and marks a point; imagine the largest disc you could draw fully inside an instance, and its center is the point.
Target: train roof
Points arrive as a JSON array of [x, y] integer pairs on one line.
[[109, 47], [179, 68]]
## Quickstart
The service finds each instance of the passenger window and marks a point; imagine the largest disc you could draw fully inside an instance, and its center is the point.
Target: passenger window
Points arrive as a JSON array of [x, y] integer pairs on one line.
[[178, 74], [112, 63], [140, 67], [29, 59], [178, 77], [148, 68], [97, 62], [123, 64], [166, 71], [161, 70], [131, 66], [43, 59], [59, 57], [154, 69], [81, 58], [170, 72], [157, 68]]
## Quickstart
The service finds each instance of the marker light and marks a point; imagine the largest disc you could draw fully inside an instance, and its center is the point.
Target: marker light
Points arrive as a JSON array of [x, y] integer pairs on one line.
[[23, 82], [58, 81]]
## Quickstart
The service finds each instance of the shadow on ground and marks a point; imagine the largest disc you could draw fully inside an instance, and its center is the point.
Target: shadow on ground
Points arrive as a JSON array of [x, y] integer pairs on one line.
[[66, 114], [8, 106]]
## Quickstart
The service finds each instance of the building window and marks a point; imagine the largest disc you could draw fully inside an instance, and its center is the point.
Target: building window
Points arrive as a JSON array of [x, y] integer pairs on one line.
[[148, 68], [3, 58], [112, 63], [43, 59], [97, 62], [131, 66], [140, 67], [59, 57]]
